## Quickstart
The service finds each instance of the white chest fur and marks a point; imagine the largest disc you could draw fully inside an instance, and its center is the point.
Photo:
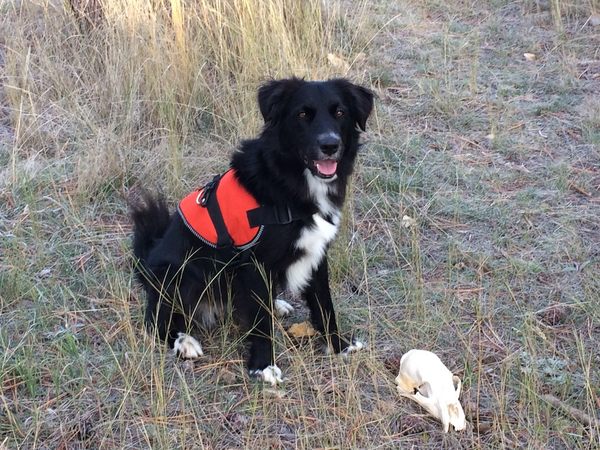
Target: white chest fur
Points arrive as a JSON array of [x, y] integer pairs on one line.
[[313, 242], [315, 238]]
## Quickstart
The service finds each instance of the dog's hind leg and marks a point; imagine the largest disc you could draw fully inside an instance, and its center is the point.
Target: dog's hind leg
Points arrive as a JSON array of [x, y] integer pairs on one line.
[[167, 307]]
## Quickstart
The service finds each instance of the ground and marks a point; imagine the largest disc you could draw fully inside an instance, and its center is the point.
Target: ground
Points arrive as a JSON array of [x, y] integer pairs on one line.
[[472, 230]]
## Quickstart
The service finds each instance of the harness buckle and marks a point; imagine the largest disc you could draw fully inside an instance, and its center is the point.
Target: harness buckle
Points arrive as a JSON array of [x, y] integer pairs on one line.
[[204, 194], [283, 215]]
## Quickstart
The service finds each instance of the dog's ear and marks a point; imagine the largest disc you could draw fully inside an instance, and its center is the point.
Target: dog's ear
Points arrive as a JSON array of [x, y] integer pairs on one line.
[[360, 100], [272, 96]]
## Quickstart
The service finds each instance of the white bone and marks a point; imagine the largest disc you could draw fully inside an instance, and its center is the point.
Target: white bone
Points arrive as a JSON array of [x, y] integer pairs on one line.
[[424, 378]]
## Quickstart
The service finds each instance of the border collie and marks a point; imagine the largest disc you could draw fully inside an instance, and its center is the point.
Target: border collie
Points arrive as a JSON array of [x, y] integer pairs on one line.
[[296, 171]]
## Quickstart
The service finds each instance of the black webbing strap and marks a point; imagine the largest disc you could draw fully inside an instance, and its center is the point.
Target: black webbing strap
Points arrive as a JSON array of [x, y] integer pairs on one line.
[[274, 215], [209, 201]]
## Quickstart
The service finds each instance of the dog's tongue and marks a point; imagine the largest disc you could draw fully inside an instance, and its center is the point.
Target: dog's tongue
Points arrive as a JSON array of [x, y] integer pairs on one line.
[[326, 167]]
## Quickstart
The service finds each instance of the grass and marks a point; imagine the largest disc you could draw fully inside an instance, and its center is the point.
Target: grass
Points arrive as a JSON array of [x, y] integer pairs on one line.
[[496, 158]]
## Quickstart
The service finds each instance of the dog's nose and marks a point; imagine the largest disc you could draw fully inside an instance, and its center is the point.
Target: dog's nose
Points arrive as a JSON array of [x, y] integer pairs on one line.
[[329, 143]]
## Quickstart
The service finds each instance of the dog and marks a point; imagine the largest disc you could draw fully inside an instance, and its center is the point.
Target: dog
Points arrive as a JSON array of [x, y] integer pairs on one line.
[[284, 191]]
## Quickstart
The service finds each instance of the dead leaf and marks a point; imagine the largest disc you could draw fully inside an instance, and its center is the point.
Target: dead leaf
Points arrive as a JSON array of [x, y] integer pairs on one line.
[[529, 56], [301, 330]]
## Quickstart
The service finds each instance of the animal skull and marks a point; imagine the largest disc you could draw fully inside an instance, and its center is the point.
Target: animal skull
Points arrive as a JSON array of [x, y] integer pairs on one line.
[[425, 379]]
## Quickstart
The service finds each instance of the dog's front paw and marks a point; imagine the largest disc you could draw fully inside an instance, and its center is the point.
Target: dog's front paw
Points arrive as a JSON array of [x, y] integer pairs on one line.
[[338, 345], [352, 348], [283, 308], [270, 374], [187, 347]]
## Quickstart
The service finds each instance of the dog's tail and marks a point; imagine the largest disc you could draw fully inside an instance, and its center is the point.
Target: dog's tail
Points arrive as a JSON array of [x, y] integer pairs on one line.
[[150, 215]]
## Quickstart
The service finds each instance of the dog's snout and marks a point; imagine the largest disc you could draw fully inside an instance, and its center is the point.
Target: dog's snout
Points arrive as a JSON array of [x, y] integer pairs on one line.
[[329, 143]]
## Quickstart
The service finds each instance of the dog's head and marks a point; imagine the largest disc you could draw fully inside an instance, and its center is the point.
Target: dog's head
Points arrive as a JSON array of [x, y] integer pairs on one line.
[[316, 121]]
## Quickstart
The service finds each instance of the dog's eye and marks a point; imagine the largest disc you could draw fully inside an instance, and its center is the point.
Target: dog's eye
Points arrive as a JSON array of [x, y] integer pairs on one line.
[[302, 115], [339, 113]]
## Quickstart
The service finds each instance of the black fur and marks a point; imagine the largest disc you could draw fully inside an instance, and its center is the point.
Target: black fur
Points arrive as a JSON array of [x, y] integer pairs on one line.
[[302, 120]]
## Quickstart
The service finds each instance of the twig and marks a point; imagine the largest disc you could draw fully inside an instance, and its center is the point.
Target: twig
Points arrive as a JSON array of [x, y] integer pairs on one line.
[[579, 190], [578, 414]]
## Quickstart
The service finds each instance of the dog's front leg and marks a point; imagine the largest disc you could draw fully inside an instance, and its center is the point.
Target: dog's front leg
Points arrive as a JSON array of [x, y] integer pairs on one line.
[[256, 302], [318, 298]]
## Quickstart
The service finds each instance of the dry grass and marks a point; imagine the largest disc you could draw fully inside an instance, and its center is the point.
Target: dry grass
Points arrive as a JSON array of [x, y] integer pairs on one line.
[[495, 157], [140, 82]]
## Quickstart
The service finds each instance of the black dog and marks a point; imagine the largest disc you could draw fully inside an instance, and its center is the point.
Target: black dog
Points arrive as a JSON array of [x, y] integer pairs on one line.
[[293, 180]]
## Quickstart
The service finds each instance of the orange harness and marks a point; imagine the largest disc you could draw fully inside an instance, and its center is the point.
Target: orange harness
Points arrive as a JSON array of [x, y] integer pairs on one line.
[[218, 213], [224, 215]]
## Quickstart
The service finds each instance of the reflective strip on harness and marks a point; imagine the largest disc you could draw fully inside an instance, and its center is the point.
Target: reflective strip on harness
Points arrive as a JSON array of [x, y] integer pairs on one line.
[[234, 202]]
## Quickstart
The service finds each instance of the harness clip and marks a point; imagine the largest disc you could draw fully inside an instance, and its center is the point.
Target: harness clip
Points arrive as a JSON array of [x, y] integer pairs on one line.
[[207, 190]]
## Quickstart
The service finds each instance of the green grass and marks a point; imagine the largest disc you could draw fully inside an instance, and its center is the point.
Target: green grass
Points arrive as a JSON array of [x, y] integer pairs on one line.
[[496, 158]]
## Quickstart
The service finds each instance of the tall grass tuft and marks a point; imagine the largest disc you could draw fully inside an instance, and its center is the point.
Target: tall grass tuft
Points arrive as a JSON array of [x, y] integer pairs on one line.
[[98, 75]]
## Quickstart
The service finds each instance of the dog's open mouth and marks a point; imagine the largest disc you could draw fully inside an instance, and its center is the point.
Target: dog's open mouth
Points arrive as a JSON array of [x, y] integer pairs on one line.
[[325, 168]]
